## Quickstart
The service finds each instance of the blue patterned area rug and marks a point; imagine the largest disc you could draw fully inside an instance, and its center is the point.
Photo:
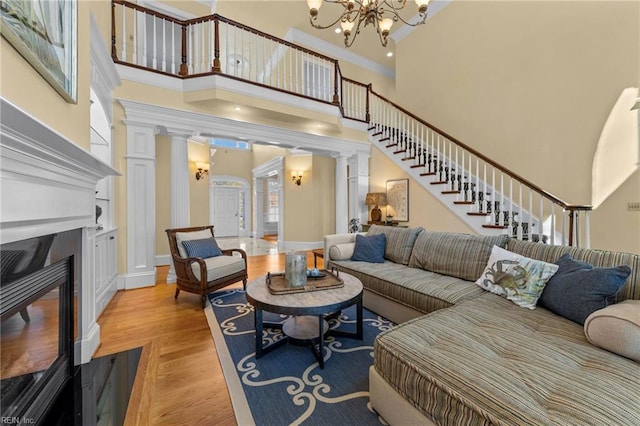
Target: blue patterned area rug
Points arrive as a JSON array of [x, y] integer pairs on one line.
[[286, 386]]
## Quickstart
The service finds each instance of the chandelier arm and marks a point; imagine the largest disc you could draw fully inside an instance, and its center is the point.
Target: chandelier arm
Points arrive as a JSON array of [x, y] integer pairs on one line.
[[396, 15], [321, 27]]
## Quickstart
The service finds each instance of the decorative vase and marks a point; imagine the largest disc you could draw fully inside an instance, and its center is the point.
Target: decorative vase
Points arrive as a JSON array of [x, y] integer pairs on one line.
[[295, 269], [98, 213]]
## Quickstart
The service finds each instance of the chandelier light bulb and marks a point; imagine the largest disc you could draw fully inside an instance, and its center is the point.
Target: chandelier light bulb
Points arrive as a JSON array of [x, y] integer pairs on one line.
[[385, 26], [314, 6], [347, 26], [422, 5]]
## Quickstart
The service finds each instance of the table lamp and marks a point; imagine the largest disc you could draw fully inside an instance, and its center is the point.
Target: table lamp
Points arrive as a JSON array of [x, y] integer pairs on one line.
[[376, 199]]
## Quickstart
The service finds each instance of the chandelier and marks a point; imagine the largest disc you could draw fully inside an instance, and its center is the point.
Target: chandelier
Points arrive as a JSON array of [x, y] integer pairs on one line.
[[379, 13]]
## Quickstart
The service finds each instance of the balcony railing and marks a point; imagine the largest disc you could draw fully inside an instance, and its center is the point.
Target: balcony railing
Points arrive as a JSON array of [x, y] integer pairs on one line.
[[215, 45]]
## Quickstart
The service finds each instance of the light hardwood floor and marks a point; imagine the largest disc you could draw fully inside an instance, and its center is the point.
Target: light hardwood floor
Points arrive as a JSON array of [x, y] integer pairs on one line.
[[190, 387]]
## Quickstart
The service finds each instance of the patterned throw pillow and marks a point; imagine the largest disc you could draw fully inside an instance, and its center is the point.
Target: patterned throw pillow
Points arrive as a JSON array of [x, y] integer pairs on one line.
[[204, 248], [369, 248], [516, 277]]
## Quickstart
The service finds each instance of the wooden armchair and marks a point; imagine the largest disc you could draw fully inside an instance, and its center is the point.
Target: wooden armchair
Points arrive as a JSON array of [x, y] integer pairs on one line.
[[202, 276]]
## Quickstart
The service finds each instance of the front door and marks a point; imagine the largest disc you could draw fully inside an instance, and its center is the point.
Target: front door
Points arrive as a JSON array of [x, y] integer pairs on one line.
[[225, 215]]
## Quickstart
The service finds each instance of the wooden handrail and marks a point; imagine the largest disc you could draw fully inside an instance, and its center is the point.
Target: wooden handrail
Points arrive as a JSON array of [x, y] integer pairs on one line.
[[488, 160], [338, 79]]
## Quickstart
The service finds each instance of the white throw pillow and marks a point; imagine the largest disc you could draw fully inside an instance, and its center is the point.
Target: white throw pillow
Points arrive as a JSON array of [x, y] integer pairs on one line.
[[187, 236], [342, 251], [518, 278]]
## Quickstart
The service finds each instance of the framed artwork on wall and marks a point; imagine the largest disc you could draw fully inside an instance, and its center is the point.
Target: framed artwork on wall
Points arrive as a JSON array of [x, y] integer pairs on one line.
[[398, 199], [44, 32]]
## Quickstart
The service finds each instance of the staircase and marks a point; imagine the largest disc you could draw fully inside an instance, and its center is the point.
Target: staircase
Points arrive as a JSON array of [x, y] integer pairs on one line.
[[486, 196], [489, 198]]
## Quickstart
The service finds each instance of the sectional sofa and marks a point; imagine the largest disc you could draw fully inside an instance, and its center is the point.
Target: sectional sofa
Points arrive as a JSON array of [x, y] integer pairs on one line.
[[464, 355]]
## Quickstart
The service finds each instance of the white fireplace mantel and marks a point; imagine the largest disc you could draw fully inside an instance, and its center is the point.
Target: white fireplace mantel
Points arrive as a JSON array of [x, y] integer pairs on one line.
[[47, 185]]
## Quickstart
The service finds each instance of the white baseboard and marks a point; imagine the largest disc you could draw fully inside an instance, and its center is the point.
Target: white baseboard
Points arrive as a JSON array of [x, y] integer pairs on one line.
[[132, 281], [163, 259], [301, 245], [86, 347]]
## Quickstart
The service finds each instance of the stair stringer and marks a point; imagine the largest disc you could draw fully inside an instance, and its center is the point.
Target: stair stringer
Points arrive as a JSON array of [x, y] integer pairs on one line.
[[460, 210]]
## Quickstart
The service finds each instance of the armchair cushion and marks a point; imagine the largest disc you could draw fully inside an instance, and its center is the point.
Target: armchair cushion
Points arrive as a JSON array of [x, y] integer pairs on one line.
[[186, 236], [219, 267], [204, 248]]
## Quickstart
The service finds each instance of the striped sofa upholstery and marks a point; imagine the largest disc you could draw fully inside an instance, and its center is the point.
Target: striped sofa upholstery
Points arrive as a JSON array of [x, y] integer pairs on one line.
[[400, 241], [477, 358], [598, 258], [488, 361], [421, 290]]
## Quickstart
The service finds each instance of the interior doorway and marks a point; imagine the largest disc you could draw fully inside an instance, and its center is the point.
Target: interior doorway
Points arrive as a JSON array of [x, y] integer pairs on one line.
[[228, 206]]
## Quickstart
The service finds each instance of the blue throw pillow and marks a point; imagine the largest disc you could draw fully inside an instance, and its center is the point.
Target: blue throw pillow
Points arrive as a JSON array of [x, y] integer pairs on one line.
[[577, 289], [369, 248], [204, 248]]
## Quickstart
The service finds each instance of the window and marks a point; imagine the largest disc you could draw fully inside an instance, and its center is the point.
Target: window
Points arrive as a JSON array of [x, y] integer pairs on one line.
[[227, 143], [273, 203]]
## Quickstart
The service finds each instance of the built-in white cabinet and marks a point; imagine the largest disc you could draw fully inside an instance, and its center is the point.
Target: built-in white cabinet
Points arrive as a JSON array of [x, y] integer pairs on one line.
[[105, 257], [106, 269]]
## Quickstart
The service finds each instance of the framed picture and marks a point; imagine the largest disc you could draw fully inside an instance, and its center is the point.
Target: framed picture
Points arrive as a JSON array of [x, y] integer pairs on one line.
[[398, 199], [44, 32]]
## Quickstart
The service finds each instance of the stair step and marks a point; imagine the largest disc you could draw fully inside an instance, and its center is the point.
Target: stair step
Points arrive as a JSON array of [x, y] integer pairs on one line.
[[478, 214], [376, 134], [415, 166], [463, 202], [450, 192], [384, 139], [440, 182], [495, 226], [390, 145], [371, 128], [428, 174], [400, 151], [408, 158]]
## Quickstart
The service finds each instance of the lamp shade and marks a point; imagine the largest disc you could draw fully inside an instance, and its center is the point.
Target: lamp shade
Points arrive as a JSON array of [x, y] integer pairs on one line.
[[376, 199]]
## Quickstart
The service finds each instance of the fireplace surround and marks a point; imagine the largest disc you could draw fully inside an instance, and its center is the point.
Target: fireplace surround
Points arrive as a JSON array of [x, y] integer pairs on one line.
[[48, 189]]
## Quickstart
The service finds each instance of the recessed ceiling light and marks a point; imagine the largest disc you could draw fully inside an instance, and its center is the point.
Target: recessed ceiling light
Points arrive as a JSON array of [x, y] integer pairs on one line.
[[338, 30], [389, 54], [237, 108]]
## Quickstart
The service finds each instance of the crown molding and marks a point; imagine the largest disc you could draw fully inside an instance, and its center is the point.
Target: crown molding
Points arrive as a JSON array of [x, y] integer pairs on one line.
[[104, 75], [300, 37], [174, 120]]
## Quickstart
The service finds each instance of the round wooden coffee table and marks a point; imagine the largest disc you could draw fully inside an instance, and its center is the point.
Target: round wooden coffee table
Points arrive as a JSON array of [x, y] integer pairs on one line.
[[309, 309]]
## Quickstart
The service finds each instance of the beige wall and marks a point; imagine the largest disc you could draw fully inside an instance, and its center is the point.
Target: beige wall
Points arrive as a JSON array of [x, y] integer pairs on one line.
[[531, 84], [309, 209], [424, 209], [199, 190]]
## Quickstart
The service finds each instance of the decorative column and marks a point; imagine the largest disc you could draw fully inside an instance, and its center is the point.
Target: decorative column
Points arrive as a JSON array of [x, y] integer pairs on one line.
[[258, 207], [180, 213], [141, 206], [358, 186], [342, 209]]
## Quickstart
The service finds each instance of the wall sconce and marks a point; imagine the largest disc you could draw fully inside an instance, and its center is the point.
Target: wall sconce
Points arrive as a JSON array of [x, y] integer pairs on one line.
[[203, 170], [296, 177]]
